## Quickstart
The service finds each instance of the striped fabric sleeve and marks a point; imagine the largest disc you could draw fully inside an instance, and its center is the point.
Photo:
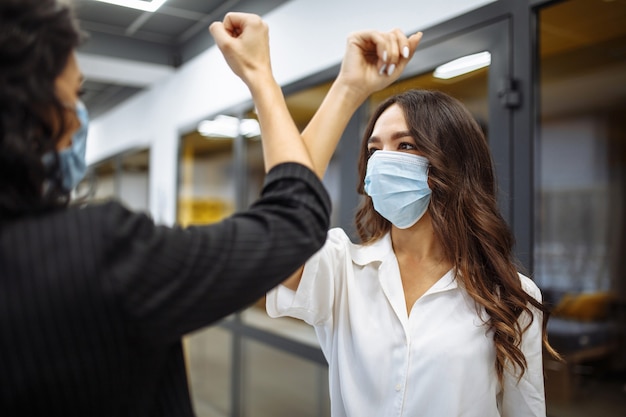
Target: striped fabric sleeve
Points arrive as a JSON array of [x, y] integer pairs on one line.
[[176, 280]]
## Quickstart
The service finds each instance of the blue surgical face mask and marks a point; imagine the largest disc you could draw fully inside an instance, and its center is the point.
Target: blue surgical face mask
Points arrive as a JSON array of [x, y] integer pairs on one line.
[[397, 182], [72, 159]]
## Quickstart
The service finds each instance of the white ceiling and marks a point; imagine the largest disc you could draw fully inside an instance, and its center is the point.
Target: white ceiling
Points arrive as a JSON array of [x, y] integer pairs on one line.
[[128, 50]]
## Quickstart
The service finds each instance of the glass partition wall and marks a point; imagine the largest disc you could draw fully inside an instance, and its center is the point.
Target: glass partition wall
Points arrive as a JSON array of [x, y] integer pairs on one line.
[[206, 181], [471, 88], [580, 238], [124, 177]]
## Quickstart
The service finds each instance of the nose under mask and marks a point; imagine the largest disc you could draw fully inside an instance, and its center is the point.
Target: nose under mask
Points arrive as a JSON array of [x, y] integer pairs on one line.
[[397, 182]]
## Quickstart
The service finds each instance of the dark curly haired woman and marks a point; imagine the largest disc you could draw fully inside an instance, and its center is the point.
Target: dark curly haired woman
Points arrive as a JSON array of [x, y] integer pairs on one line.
[[94, 300]]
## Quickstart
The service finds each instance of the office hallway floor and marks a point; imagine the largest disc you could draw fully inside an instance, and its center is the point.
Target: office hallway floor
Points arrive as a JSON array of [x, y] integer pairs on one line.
[[278, 384]]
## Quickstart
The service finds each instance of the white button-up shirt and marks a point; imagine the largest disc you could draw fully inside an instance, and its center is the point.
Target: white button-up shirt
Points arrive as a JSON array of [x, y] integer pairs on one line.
[[439, 361]]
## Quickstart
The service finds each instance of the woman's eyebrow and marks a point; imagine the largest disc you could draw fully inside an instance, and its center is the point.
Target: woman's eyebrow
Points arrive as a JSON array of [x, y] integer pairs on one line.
[[401, 134], [395, 136]]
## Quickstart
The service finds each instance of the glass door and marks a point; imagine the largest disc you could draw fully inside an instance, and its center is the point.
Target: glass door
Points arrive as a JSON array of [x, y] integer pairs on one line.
[[580, 203]]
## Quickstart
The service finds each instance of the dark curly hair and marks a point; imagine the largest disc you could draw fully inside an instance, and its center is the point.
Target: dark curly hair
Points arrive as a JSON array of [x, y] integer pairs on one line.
[[37, 38], [466, 220]]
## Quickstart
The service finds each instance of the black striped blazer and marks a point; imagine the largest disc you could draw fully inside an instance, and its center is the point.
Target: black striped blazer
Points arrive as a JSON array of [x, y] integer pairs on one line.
[[94, 300]]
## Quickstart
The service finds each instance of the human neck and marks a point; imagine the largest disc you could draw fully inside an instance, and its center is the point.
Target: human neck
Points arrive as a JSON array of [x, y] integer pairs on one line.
[[418, 242]]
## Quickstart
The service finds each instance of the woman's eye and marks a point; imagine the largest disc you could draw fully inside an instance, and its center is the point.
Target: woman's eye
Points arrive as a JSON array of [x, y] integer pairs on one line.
[[371, 151], [407, 146], [81, 92]]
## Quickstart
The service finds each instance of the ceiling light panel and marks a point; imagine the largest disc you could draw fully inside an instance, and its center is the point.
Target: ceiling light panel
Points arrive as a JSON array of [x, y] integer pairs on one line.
[[463, 65], [146, 5]]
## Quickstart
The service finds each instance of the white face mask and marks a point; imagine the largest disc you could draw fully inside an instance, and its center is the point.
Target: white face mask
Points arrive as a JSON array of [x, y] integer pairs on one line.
[[397, 182]]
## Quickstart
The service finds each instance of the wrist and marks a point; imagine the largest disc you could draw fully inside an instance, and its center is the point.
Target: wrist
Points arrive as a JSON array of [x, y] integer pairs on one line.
[[350, 95], [260, 82]]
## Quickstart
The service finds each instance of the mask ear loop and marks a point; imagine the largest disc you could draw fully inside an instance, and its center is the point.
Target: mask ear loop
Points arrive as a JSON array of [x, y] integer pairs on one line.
[[428, 177]]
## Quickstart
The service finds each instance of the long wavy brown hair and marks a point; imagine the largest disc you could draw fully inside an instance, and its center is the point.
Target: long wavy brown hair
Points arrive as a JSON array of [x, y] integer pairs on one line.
[[466, 220]]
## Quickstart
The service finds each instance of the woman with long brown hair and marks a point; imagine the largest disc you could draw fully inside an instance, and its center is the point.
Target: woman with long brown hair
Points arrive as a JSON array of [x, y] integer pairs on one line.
[[428, 315]]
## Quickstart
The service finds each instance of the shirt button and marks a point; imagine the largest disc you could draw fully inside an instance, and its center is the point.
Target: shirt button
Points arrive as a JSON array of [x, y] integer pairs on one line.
[[398, 387]]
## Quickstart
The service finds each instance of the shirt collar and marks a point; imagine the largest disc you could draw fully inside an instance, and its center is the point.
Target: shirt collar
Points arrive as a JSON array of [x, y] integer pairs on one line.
[[372, 252], [445, 283], [379, 250]]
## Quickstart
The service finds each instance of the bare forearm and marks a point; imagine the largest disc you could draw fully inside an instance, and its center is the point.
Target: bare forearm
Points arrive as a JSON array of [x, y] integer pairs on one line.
[[324, 131], [244, 41], [281, 138]]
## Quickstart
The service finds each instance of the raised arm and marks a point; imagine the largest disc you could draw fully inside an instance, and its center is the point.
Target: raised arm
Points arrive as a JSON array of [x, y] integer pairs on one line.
[[372, 61], [244, 41]]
